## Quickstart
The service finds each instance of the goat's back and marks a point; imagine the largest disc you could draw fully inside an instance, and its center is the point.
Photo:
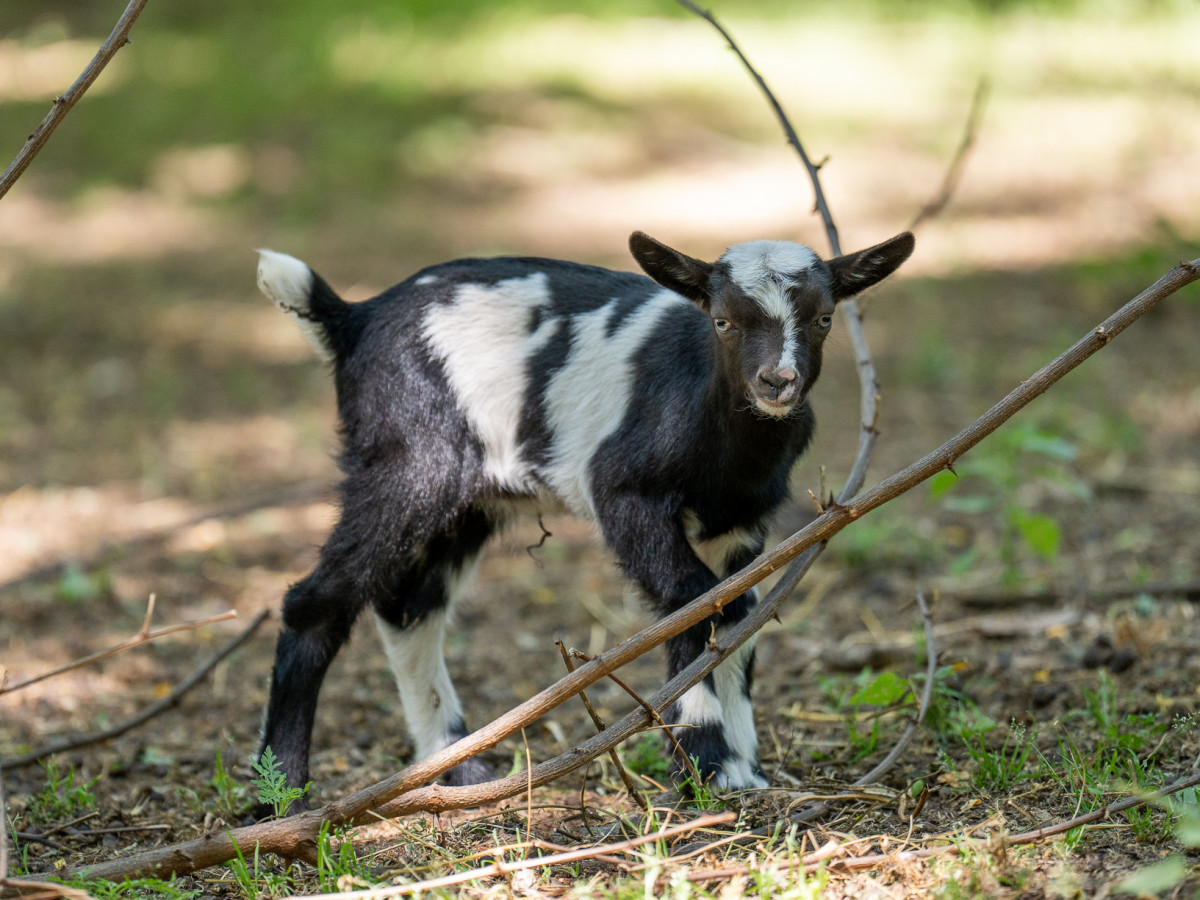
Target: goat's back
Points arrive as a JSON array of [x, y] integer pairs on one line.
[[538, 361]]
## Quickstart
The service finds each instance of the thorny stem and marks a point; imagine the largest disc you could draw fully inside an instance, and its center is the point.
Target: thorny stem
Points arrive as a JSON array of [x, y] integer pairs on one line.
[[143, 635], [600, 726]]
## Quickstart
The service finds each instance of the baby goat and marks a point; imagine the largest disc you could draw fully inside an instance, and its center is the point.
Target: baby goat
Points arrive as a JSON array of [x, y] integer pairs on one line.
[[668, 411]]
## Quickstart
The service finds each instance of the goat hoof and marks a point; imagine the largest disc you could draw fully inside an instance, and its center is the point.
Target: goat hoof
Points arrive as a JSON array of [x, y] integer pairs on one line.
[[473, 771]]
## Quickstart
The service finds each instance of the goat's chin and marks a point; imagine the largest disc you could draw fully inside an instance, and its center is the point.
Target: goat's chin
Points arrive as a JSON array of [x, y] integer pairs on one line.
[[775, 409]]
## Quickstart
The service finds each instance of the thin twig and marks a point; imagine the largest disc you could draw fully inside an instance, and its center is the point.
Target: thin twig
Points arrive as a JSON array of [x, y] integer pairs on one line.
[[43, 890], [154, 709], [70, 823], [809, 813], [500, 867], [142, 637], [62, 105], [34, 838], [954, 171], [600, 726], [820, 203], [685, 760]]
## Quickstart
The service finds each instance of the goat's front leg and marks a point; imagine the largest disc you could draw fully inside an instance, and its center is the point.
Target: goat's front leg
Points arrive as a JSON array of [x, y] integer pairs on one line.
[[717, 719]]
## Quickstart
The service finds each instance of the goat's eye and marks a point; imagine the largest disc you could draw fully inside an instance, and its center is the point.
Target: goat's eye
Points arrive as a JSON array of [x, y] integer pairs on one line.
[[825, 321], [722, 325]]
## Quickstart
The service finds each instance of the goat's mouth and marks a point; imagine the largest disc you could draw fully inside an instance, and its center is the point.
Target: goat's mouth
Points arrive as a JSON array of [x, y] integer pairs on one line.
[[776, 407]]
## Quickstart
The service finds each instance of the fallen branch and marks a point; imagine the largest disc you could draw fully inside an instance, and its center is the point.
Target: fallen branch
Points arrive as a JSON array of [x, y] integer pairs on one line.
[[154, 709], [62, 105], [143, 635]]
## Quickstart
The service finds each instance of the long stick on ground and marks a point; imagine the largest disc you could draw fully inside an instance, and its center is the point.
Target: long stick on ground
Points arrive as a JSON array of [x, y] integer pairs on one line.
[[62, 105], [297, 836]]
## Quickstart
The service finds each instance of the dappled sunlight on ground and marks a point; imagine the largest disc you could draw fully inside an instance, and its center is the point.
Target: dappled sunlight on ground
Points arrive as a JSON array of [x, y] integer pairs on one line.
[[106, 224]]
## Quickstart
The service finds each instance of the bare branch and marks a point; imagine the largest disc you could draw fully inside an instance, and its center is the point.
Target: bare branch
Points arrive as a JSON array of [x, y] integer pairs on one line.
[[143, 635], [600, 726], [821, 205], [154, 709], [954, 172], [62, 105]]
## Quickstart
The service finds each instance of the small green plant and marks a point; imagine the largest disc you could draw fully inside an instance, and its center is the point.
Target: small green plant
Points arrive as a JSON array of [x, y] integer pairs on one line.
[[864, 728], [60, 797], [132, 889], [333, 864], [644, 755], [18, 852], [272, 784], [1024, 453], [256, 881], [233, 797], [702, 794], [997, 770], [952, 715]]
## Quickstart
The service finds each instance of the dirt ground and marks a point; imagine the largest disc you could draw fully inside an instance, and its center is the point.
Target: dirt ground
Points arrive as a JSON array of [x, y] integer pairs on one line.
[[165, 432]]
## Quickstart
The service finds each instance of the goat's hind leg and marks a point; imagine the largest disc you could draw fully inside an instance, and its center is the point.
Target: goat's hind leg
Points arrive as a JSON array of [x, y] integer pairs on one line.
[[318, 613], [412, 625]]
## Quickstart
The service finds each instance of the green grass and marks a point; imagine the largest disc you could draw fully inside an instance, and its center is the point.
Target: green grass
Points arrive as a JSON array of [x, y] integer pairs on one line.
[[60, 797]]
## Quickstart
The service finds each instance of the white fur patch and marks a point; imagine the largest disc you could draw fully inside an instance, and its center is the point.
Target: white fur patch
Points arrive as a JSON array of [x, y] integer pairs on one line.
[[755, 262], [287, 282], [738, 775], [589, 396], [426, 279], [483, 339], [427, 695], [738, 714], [765, 270], [716, 552], [699, 706]]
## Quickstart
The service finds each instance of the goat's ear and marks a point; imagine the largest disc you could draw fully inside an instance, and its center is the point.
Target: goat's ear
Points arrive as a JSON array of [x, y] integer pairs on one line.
[[856, 272], [673, 270]]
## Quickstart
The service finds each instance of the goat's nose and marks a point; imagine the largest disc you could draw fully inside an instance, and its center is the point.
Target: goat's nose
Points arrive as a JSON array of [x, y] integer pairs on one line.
[[778, 379]]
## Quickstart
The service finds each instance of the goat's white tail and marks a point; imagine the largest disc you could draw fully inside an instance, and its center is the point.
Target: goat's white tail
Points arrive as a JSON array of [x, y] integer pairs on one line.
[[288, 283]]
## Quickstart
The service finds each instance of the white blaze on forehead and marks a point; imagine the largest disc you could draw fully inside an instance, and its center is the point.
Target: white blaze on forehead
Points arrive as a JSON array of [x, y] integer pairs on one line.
[[483, 338], [765, 269]]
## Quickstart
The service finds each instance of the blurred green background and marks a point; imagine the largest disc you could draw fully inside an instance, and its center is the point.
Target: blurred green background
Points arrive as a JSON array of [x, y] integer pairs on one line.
[[138, 365]]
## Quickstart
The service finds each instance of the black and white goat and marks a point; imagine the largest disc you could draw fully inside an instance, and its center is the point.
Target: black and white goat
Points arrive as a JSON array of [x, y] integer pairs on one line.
[[668, 411]]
